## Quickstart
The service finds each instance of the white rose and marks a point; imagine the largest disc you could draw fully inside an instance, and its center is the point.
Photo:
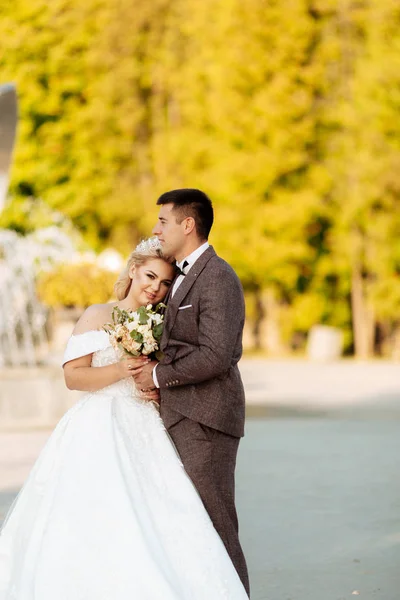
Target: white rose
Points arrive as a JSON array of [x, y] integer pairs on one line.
[[148, 348], [131, 326], [132, 346]]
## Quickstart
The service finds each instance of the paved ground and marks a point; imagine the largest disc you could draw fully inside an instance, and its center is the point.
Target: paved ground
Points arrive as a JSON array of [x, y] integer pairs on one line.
[[318, 491], [344, 384], [319, 501]]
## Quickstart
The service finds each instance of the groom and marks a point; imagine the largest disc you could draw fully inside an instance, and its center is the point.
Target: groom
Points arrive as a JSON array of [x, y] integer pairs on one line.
[[202, 397]]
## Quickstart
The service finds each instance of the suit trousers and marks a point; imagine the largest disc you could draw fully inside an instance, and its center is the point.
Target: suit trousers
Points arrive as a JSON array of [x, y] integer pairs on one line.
[[209, 458]]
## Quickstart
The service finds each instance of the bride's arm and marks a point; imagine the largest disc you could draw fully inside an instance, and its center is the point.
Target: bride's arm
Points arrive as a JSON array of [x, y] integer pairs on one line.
[[80, 375], [78, 372]]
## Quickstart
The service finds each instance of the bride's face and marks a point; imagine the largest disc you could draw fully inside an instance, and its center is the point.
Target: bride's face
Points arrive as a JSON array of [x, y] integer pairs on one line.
[[150, 281]]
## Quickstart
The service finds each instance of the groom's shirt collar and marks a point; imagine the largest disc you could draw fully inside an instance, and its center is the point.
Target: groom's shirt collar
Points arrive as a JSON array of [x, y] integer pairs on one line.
[[191, 259]]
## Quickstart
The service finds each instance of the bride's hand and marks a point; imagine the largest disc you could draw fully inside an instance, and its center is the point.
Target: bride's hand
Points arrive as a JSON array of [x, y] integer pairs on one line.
[[130, 366]]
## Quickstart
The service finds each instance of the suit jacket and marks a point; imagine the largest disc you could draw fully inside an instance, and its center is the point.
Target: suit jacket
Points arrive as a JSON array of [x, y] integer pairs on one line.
[[202, 344]]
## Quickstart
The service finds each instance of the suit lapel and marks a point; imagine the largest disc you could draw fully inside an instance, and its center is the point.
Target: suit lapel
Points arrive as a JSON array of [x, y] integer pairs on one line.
[[168, 295], [175, 300]]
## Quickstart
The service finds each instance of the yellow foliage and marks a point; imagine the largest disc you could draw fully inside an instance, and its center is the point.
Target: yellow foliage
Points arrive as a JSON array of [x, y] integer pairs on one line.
[[286, 113], [76, 285]]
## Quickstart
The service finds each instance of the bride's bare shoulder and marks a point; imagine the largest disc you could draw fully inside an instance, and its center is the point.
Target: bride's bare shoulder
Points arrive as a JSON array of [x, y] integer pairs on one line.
[[94, 317]]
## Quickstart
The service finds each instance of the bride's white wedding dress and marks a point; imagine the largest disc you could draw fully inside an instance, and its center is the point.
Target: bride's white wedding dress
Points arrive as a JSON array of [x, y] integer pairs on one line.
[[108, 512]]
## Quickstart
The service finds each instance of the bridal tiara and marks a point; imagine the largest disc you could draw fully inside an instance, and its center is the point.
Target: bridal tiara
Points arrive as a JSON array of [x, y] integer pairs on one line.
[[148, 246]]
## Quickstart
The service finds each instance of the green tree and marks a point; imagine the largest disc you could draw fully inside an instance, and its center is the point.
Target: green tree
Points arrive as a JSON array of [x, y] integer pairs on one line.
[[285, 112], [83, 73], [362, 153], [246, 132]]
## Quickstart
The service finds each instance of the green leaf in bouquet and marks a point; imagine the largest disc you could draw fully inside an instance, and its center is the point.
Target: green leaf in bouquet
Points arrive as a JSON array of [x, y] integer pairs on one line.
[[157, 331], [160, 307], [117, 315], [143, 315], [137, 337]]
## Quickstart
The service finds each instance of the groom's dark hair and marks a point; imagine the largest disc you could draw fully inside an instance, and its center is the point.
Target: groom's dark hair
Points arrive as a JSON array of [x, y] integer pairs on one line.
[[193, 203]]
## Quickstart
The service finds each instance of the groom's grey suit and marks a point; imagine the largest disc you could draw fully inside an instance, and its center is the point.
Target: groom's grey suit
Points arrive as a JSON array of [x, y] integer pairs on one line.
[[202, 397]]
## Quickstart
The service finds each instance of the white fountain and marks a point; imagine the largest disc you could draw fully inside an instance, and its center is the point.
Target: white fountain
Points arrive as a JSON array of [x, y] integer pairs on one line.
[[22, 318]]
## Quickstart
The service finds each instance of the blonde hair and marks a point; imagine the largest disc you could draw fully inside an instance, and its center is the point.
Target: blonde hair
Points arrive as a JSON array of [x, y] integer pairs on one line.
[[147, 250]]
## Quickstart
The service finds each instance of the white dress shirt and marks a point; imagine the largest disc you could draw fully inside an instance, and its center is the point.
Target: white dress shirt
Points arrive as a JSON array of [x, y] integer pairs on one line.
[[191, 259]]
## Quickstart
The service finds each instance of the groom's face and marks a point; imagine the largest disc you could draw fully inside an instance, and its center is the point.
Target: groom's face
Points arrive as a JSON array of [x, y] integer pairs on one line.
[[169, 232]]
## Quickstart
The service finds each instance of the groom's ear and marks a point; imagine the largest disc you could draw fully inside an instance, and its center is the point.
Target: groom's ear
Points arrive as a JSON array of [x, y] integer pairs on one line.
[[189, 225]]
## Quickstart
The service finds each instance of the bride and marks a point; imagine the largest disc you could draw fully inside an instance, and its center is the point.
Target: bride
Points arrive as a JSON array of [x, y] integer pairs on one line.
[[108, 512]]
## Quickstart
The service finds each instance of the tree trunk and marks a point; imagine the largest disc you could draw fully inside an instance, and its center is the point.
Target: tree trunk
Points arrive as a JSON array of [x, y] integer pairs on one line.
[[395, 349], [270, 330], [362, 317], [259, 317]]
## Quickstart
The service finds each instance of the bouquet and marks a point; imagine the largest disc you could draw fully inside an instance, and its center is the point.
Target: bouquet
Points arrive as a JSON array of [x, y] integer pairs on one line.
[[137, 332]]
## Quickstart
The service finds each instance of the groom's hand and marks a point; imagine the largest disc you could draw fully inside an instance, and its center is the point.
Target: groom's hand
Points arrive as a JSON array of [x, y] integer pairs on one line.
[[152, 395], [143, 378]]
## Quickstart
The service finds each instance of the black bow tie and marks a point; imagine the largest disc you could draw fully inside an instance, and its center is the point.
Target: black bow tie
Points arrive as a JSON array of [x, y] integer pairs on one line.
[[182, 271]]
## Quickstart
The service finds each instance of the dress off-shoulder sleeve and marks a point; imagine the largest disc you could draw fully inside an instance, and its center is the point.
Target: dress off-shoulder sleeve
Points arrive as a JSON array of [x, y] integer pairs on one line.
[[84, 344]]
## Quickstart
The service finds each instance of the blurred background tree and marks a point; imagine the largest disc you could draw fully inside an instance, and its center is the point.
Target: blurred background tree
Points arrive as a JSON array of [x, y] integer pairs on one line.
[[285, 112], [58, 289]]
